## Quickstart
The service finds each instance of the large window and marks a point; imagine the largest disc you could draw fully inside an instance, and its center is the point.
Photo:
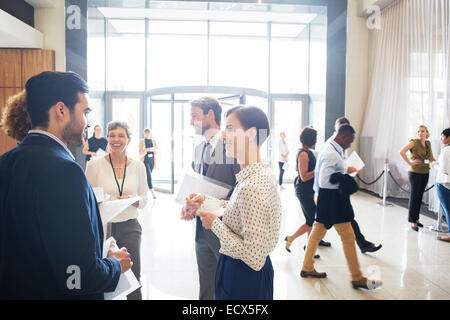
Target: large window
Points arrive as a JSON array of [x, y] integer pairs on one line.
[[177, 53], [269, 56], [126, 55], [239, 55]]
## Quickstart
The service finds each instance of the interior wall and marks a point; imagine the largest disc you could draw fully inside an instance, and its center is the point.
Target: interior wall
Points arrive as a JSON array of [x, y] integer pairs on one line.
[[51, 22], [357, 69], [16, 67]]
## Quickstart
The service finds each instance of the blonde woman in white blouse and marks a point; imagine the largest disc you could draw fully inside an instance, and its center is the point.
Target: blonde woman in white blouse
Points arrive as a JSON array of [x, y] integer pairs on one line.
[[249, 230], [122, 177]]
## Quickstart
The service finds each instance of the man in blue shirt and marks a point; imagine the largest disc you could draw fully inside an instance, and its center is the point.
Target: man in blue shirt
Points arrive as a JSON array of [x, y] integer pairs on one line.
[[51, 235]]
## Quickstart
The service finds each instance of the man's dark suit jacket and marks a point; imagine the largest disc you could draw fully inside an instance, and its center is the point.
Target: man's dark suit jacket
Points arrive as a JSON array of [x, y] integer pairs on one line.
[[49, 221]]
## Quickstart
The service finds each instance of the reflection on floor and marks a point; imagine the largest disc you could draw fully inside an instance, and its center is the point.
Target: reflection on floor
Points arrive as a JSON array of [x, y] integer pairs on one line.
[[411, 265]]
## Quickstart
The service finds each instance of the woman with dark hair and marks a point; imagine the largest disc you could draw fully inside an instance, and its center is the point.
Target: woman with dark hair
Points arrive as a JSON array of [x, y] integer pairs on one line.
[[95, 143], [443, 180], [304, 182], [122, 177], [147, 149], [249, 230], [421, 156]]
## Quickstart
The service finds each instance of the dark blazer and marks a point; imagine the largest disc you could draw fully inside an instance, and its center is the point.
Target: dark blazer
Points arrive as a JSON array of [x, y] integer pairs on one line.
[[221, 168], [333, 205], [49, 221], [347, 185]]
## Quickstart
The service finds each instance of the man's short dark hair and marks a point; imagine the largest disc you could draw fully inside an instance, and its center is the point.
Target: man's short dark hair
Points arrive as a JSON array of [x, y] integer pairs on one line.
[[249, 117], [446, 132], [342, 120], [48, 88], [308, 137], [209, 103], [345, 129]]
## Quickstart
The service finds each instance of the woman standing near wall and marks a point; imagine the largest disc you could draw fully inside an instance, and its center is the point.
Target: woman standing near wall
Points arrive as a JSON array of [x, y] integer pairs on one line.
[[421, 156]]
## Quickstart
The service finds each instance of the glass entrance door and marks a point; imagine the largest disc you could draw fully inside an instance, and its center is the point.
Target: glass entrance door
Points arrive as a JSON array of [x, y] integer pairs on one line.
[[290, 115], [161, 122]]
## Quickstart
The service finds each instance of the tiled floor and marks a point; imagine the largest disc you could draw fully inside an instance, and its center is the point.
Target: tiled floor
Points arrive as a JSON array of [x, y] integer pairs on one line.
[[411, 265]]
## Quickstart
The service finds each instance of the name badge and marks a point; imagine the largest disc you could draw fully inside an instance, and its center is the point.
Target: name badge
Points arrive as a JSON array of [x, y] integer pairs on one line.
[[150, 155], [426, 161]]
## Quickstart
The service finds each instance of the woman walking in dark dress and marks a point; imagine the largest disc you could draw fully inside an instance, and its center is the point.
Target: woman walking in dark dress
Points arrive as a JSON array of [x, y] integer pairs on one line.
[[147, 149], [306, 162]]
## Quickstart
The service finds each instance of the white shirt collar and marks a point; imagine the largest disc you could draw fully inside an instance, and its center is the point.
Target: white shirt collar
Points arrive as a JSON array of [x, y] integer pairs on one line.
[[48, 134], [337, 146], [214, 140]]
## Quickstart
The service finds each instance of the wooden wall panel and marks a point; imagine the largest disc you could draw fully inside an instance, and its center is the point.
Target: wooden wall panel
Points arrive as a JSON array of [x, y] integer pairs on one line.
[[36, 61], [6, 143], [10, 68], [16, 67]]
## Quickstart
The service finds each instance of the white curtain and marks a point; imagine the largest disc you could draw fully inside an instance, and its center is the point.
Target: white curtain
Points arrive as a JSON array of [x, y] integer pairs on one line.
[[409, 83]]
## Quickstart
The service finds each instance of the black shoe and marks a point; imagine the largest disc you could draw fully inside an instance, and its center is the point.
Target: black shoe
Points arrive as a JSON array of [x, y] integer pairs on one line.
[[415, 228], [315, 257], [371, 248], [324, 243], [288, 245], [419, 224]]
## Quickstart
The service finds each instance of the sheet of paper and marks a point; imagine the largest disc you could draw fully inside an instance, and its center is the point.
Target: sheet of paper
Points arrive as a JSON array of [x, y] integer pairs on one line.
[[355, 161], [213, 206], [110, 209], [100, 153], [196, 183], [127, 281]]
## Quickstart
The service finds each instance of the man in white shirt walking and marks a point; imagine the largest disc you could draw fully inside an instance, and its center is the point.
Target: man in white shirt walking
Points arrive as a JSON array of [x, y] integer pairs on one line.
[[334, 208]]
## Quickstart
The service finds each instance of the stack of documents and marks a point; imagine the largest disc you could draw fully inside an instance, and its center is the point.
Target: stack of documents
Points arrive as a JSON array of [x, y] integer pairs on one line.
[[355, 161], [127, 281], [199, 184], [110, 209]]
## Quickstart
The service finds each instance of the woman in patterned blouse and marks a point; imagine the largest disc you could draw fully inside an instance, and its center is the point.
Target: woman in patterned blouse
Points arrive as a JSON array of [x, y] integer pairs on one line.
[[250, 226]]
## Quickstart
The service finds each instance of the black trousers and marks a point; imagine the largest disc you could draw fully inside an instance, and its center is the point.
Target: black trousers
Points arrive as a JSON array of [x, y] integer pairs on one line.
[[418, 183], [280, 178], [360, 240], [149, 165]]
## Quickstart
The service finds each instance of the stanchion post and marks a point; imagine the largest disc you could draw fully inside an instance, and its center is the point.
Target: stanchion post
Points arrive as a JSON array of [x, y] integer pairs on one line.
[[384, 203]]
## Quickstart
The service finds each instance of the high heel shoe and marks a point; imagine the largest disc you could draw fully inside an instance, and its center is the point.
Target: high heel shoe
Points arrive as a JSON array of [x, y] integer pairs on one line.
[[288, 244]]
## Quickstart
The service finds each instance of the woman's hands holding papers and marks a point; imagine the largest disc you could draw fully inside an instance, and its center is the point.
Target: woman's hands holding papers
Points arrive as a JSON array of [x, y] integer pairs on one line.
[[122, 255], [126, 196], [193, 203], [207, 219]]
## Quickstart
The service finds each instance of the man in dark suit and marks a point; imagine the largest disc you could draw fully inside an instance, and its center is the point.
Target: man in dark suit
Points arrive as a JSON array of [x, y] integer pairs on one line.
[[51, 236], [211, 161]]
